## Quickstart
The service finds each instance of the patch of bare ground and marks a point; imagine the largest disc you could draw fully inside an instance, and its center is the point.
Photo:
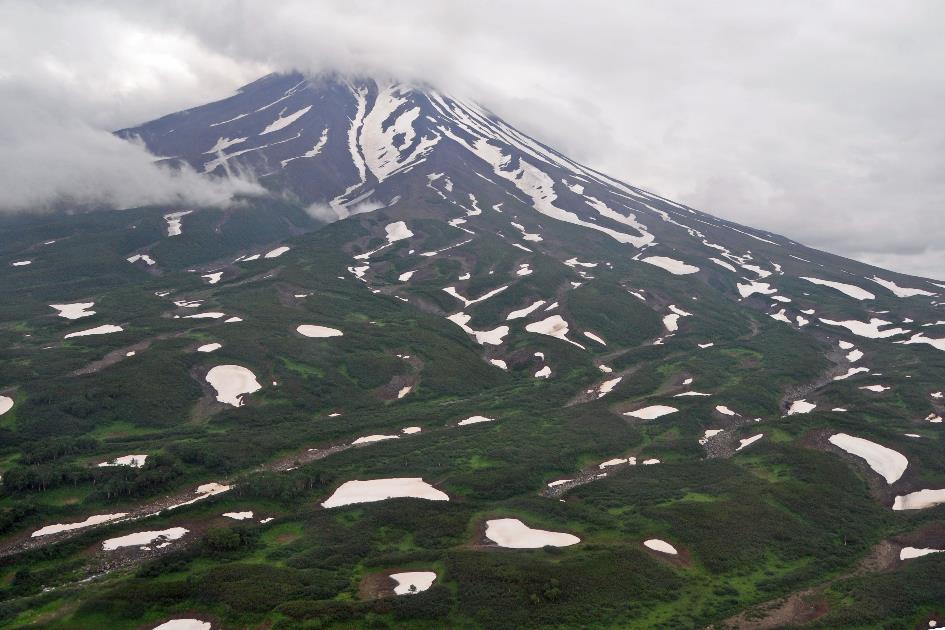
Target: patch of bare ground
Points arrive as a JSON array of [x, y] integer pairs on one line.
[[120, 354], [810, 604], [882, 492], [591, 393], [23, 542], [583, 477], [376, 586], [682, 558], [839, 366]]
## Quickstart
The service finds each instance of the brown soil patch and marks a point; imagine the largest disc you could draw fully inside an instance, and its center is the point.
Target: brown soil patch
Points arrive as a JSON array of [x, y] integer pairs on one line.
[[682, 559], [115, 356], [882, 492], [376, 585], [810, 604]]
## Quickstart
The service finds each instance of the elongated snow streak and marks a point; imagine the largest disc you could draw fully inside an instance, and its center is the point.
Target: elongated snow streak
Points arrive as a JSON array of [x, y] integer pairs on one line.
[[675, 267], [899, 291], [528, 178], [853, 291], [284, 121], [467, 302], [322, 141], [360, 96], [870, 329], [382, 155], [223, 159]]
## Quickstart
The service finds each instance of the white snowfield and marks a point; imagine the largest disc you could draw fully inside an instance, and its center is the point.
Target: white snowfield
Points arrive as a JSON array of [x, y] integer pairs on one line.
[[204, 491], [749, 441], [594, 337], [474, 420], [675, 267], [512, 533], [887, 463], [239, 516], [725, 411], [74, 311], [221, 144], [142, 539], [853, 291], [527, 236], [660, 545], [98, 519], [311, 330], [671, 322], [105, 329], [492, 337], [607, 386], [284, 121], [726, 265], [709, 433], [879, 389], [214, 277], [232, 382], [387, 137], [617, 461], [747, 290], [412, 582], [6, 404], [919, 499], [524, 175], [652, 412], [143, 257], [870, 329], [908, 553], [370, 439], [467, 302], [898, 291], [184, 624], [174, 218], [938, 344], [277, 252], [209, 347], [134, 461], [553, 326], [524, 312], [396, 231], [851, 372], [800, 406], [351, 492]]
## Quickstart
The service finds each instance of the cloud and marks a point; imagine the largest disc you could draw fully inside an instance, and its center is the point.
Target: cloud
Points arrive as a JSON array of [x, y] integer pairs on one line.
[[68, 76], [815, 119], [62, 162]]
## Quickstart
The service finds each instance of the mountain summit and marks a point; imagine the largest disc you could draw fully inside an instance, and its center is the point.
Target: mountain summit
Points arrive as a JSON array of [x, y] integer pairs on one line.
[[445, 376]]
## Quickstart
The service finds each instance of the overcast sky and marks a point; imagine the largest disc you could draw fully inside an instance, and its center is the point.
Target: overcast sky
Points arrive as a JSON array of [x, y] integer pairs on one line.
[[820, 120]]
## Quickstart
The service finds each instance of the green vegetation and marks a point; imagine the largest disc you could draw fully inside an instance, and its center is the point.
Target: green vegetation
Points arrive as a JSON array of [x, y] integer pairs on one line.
[[775, 519]]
